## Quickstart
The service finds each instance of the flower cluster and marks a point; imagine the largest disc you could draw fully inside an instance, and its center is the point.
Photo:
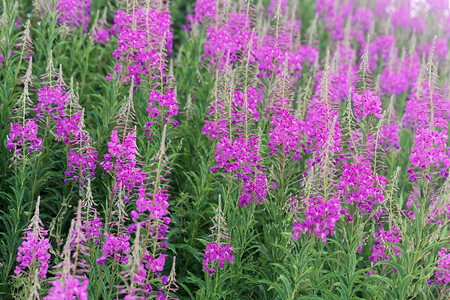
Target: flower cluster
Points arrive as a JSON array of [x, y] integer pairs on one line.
[[430, 151], [100, 30], [52, 101], [121, 160], [241, 157], [157, 206], [69, 287], [393, 82], [443, 276], [389, 136], [360, 185], [83, 161], [322, 128], [161, 105], [218, 251], [74, 13], [204, 10], [142, 37], [422, 109], [116, 246], [286, 131], [379, 247], [366, 104], [22, 137], [321, 216], [225, 41], [33, 252]]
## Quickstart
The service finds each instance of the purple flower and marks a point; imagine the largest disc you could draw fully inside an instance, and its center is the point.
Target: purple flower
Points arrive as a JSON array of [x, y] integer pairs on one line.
[[443, 276], [366, 104], [286, 132], [204, 11], [320, 216], [382, 237], [360, 185], [81, 163], [389, 136], [68, 287], [52, 100], [216, 253], [116, 246], [162, 106], [121, 160], [24, 136], [430, 151], [228, 39], [140, 37], [34, 251], [74, 12]]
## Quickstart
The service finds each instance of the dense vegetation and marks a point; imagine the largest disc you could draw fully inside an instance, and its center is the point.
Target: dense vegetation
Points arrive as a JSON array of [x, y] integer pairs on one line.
[[224, 149]]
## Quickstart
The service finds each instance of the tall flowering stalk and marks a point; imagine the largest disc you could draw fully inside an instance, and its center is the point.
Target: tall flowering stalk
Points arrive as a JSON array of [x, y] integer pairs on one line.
[[320, 208], [82, 157], [430, 156], [23, 137], [141, 30], [430, 153], [366, 102], [360, 184], [34, 252], [152, 214], [227, 37], [122, 163], [219, 250], [100, 31], [71, 281], [25, 143]]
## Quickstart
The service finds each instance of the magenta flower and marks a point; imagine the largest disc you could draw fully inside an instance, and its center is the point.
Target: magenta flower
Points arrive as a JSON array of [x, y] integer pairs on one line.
[[320, 216], [389, 136], [34, 249], [361, 186], [140, 37], [228, 39], [443, 276], [286, 132], [121, 160], [68, 129], [219, 250], [116, 246], [366, 104], [24, 136], [161, 105], [157, 206], [74, 13], [52, 100], [216, 253], [242, 158], [382, 237], [430, 151], [204, 11], [68, 287], [81, 163]]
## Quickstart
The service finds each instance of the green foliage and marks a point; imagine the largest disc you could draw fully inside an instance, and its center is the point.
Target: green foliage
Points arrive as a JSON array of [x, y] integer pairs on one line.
[[268, 263]]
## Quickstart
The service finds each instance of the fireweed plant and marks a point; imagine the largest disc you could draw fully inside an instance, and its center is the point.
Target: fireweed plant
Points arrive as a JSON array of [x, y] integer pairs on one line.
[[224, 149]]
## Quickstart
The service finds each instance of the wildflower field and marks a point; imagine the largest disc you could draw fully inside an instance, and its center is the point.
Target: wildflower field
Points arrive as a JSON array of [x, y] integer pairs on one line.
[[224, 149]]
